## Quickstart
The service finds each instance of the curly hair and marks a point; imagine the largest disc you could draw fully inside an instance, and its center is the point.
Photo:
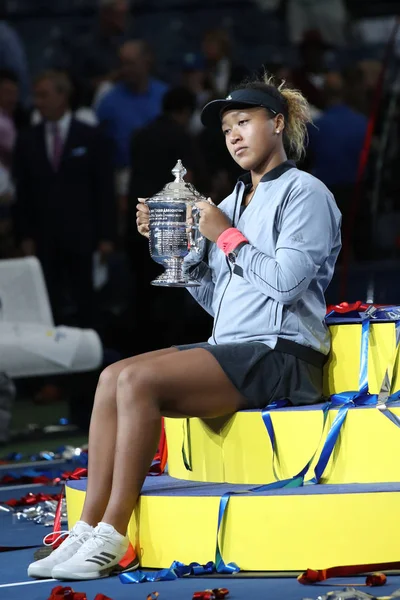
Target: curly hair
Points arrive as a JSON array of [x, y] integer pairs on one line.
[[297, 116]]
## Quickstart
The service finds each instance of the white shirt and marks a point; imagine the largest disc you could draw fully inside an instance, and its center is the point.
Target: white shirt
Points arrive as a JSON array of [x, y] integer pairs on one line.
[[63, 126]]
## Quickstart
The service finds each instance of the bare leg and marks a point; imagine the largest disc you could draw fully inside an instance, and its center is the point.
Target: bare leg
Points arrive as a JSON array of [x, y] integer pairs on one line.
[[102, 436], [192, 384]]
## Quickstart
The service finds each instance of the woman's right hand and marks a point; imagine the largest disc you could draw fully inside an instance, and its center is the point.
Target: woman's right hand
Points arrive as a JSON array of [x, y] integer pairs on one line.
[[142, 217]]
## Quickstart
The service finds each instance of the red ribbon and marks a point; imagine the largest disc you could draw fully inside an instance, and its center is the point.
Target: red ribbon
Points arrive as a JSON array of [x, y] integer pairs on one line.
[[374, 579], [71, 476], [67, 593], [67, 476], [7, 479], [160, 459], [345, 307], [215, 594], [31, 499]]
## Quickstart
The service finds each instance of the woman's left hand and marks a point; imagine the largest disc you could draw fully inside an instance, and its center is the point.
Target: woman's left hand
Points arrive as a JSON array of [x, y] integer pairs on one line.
[[213, 221]]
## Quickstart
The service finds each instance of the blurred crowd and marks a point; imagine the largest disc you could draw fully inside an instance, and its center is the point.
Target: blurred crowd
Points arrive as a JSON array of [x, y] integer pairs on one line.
[[79, 145]]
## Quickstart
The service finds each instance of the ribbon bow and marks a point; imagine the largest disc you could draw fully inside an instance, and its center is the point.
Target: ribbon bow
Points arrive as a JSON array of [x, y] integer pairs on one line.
[[215, 594], [67, 593], [71, 475], [345, 307]]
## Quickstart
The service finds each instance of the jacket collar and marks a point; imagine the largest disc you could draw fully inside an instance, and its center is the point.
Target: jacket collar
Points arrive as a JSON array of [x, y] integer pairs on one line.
[[271, 175]]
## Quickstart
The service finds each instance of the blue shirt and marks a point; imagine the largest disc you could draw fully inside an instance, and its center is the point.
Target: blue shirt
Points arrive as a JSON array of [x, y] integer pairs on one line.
[[276, 288], [336, 143], [12, 57], [123, 111]]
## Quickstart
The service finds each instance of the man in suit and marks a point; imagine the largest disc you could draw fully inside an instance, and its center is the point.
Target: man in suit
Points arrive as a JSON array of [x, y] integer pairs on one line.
[[65, 207]]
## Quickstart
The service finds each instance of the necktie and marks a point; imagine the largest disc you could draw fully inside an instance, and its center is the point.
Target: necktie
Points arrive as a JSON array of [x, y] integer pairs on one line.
[[57, 146]]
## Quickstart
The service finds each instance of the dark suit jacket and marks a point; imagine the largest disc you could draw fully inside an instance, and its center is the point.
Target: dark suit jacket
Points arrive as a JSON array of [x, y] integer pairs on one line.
[[155, 150], [72, 208]]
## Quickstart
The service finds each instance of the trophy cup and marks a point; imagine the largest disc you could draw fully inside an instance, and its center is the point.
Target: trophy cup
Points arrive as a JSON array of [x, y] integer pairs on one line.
[[175, 240]]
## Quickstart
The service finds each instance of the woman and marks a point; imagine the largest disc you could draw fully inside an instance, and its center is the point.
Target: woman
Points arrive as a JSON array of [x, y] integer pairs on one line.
[[275, 241]]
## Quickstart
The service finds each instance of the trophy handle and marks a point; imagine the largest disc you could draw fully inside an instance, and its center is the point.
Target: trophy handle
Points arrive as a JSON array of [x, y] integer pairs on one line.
[[195, 238]]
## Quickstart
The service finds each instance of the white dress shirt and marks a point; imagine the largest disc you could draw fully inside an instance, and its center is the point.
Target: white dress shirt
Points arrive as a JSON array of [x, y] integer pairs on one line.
[[63, 126]]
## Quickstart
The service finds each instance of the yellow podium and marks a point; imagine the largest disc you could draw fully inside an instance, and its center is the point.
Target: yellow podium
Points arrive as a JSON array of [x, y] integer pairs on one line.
[[314, 526]]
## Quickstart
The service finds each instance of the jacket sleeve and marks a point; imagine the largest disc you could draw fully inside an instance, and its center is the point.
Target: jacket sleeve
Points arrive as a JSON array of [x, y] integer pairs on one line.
[[309, 231], [204, 293]]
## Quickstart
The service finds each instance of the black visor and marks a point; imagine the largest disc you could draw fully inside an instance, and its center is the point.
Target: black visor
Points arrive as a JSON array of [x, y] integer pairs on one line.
[[246, 98]]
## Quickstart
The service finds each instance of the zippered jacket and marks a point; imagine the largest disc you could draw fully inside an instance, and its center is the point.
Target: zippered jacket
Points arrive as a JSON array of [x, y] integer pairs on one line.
[[275, 290]]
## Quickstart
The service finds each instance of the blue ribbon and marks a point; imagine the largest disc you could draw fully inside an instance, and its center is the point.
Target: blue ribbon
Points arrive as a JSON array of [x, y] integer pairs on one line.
[[175, 571], [187, 457], [344, 400], [220, 565], [266, 417], [394, 397]]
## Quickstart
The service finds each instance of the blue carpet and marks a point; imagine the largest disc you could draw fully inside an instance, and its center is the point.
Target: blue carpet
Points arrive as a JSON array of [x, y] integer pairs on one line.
[[41, 465], [13, 570], [6, 493], [168, 486], [49, 469], [22, 533]]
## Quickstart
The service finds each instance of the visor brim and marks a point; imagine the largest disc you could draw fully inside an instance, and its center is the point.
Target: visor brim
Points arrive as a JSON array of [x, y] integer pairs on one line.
[[211, 115]]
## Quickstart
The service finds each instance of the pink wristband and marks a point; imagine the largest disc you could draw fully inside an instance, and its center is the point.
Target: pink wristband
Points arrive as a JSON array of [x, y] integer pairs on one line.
[[229, 239]]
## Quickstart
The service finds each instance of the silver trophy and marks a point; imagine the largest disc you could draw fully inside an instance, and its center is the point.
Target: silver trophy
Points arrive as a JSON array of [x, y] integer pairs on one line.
[[175, 240]]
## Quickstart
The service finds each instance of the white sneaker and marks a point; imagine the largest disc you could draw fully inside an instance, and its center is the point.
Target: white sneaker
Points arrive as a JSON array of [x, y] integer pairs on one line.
[[106, 552], [76, 537]]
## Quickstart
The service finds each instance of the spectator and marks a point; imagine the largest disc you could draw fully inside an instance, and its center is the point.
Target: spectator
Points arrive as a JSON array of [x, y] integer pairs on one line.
[[8, 103], [7, 248], [134, 102], [309, 77], [337, 139], [10, 106], [6, 194], [329, 17], [95, 58], [335, 145], [65, 205], [222, 71], [194, 78], [12, 57], [9, 92], [131, 104], [155, 150]]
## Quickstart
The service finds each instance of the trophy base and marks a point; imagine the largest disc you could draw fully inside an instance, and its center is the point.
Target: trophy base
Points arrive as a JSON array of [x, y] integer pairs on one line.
[[174, 275], [163, 281]]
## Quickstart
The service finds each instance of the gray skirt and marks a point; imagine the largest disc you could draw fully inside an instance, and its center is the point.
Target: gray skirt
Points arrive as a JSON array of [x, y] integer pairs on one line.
[[263, 375]]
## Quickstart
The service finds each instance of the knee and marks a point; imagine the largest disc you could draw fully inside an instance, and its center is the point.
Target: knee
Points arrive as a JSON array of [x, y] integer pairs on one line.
[[108, 377], [140, 381]]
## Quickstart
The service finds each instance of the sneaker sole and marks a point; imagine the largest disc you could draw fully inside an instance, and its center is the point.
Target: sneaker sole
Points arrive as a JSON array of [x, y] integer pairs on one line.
[[59, 573], [39, 573]]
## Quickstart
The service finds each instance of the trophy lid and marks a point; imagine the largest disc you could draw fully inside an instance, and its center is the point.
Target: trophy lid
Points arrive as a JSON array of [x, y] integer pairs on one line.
[[179, 189]]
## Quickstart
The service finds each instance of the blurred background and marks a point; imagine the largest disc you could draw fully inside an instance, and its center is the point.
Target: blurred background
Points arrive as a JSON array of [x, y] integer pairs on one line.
[[99, 98]]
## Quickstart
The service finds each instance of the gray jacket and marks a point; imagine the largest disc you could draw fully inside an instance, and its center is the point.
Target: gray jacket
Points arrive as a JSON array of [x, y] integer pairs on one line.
[[276, 287]]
